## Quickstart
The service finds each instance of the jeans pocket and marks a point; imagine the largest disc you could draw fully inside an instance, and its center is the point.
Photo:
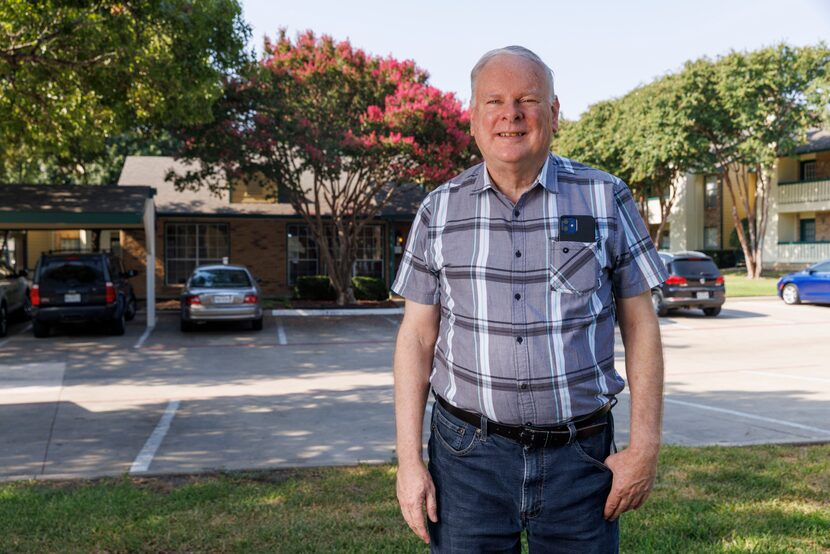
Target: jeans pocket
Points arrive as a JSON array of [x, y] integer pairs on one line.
[[457, 437], [574, 267], [595, 449]]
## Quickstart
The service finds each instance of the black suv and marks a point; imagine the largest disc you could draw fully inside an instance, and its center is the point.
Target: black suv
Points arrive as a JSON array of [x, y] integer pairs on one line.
[[73, 287], [694, 282]]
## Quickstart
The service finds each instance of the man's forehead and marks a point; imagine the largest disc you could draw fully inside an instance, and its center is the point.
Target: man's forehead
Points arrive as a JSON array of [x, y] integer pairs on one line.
[[513, 66]]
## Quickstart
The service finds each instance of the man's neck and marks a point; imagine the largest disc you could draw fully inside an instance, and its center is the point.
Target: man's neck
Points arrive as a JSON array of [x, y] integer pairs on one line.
[[513, 180]]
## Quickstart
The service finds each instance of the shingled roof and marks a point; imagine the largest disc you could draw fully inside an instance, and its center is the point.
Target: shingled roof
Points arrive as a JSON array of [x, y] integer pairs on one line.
[[73, 204]]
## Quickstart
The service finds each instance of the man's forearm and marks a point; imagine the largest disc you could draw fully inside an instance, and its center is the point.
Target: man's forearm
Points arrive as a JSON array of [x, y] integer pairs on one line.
[[644, 370], [412, 365]]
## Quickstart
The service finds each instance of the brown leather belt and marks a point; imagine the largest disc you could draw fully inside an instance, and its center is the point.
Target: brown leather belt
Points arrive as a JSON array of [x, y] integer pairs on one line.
[[536, 436]]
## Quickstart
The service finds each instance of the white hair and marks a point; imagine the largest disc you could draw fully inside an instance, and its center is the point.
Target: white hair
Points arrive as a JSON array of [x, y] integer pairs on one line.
[[519, 51]]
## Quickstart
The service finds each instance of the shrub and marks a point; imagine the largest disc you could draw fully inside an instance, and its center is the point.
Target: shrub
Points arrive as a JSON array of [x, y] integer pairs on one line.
[[369, 288], [314, 287]]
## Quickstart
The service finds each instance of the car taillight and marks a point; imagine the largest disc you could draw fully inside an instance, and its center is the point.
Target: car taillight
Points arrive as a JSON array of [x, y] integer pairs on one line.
[[677, 280], [719, 280], [249, 299], [110, 293], [193, 300], [34, 295]]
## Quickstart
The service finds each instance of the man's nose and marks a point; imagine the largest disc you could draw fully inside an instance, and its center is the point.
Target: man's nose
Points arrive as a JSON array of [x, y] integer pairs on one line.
[[512, 111]]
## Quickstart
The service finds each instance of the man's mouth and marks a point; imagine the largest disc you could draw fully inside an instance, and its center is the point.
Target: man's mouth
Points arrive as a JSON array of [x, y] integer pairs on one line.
[[512, 134]]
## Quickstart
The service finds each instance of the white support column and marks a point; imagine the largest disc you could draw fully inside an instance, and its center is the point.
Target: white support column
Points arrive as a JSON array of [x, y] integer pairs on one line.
[[150, 247]]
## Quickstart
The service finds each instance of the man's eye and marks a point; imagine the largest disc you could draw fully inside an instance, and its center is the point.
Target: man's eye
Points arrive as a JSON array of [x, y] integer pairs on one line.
[[530, 100], [493, 101]]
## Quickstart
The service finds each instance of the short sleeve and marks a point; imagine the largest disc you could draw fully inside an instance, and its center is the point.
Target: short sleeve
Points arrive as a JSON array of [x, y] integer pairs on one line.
[[637, 267], [415, 280]]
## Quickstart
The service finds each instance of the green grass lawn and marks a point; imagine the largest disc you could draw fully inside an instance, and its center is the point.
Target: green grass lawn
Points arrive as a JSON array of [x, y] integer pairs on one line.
[[737, 284], [756, 499]]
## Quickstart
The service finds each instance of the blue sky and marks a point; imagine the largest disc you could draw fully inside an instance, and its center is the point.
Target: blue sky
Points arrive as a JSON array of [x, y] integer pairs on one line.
[[598, 49]]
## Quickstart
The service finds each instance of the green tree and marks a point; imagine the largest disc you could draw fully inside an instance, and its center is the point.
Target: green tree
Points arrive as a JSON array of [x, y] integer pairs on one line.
[[74, 74], [333, 130], [746, 109]]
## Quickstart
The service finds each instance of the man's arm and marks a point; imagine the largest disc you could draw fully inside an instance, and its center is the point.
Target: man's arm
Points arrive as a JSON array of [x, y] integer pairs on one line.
[[635, 467], [413, 362]]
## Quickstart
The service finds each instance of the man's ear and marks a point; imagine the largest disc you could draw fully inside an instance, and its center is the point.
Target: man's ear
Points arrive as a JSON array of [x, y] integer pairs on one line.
[[555, 113]]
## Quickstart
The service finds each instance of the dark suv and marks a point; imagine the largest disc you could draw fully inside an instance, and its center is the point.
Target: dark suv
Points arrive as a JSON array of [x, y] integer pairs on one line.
[[694, 282], [73, 287]]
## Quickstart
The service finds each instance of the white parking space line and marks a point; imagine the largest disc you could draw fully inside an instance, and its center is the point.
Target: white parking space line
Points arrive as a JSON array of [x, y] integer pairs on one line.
[[747, 416], [23, 331], [787, 376], [281, 337], [145, 457], [144, 337]]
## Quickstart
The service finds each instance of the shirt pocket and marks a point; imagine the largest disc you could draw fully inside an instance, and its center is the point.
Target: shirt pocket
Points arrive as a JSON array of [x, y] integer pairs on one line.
[[574, 267]]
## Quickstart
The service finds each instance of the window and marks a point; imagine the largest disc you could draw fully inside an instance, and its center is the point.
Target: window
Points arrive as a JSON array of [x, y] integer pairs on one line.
[[369, 248], [665, 241], [711, 238], [821, 267], [304, 256], [808, 170], [302, 253], [188, 245], [808, 230], [711, 195]]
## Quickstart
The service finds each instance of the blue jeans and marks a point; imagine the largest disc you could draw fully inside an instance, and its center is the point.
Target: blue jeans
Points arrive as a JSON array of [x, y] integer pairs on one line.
[[489, 488]]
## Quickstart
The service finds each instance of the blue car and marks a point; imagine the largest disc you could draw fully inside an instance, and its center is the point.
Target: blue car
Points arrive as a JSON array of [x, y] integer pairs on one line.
[[808, 285]]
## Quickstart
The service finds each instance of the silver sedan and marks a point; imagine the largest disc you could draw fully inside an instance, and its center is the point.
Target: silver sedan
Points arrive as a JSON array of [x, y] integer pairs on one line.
[[221, 293]]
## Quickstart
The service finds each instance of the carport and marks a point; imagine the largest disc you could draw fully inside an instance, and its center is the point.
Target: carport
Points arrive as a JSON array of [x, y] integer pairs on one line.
[[53, 207]]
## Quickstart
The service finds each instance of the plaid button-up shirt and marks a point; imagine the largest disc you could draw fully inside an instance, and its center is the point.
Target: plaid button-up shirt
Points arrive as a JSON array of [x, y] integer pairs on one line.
[[527, 319]]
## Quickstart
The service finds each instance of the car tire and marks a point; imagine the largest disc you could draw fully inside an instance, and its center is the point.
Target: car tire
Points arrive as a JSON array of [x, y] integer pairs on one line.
[[657, 302], [185, 326], [4, 320], [26, 310], [131, 309], [118, 326], [256, 325], [711, 312], [40, 329], [790, 295]]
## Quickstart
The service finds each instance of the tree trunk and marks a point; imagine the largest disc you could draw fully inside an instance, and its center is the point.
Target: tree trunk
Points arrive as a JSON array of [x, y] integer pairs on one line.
[[739, 229]]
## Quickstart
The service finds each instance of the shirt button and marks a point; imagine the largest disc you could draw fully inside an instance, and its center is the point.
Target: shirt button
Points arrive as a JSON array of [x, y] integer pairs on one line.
[[519, 340], [566, 250], [523, 386], [517, 296], [518, 253], [528, 424], [516, 213]]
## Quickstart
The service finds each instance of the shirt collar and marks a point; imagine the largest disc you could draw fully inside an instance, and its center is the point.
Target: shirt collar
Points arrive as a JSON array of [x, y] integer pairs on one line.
[[547, 176]]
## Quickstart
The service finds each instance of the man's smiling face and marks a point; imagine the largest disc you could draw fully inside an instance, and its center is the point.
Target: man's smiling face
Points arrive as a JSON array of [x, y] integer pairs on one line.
[[512, 118]]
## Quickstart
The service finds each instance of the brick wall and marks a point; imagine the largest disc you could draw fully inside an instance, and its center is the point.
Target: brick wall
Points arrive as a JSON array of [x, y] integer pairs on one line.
[[258, 244], [823, 226], [822, 166]]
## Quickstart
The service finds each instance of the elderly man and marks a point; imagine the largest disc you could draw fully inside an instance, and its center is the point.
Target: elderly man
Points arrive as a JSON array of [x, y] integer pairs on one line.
[[514, 273]]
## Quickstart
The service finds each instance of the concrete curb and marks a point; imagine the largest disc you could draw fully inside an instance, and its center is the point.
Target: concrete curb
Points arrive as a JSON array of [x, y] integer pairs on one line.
[[336, 312]]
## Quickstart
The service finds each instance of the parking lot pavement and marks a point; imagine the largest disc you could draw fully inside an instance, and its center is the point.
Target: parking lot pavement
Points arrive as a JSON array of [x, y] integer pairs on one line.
[[318, 391]]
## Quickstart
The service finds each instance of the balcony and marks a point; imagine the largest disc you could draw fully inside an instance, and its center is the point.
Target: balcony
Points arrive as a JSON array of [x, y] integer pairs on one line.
[[803, 252], [800, 192]]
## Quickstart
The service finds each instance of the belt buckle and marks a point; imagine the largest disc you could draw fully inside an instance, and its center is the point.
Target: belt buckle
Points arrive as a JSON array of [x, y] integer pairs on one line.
[[526, 436]]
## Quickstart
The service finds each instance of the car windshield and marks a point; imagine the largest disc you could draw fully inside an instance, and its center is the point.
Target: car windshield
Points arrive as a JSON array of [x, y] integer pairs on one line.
[[68, 271], [821, 267], [220, 278], [695, 267]]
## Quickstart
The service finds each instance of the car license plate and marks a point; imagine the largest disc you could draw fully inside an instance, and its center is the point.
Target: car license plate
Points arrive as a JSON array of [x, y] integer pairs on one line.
[[700, 295], [222, 299], [71, 298]]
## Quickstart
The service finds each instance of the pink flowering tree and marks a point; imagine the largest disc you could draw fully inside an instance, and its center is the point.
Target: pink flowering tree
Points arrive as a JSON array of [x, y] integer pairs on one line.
[[335, 131]]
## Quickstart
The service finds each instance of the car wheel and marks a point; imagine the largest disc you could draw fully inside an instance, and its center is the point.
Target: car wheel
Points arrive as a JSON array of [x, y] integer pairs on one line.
[[711, 312], [185, 326], [256, 324], [4, 320], [657, 302], [118, 326], [41, 330], [790, 294], [131, 309], [26, 310]]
